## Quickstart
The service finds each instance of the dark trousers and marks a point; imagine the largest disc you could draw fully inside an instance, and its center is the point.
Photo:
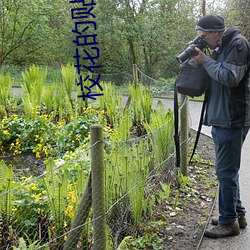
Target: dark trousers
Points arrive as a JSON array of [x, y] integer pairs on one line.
[[228, 145]]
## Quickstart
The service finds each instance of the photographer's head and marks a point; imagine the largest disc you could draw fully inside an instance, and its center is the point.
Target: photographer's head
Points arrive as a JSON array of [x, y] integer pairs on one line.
[[211, 28]]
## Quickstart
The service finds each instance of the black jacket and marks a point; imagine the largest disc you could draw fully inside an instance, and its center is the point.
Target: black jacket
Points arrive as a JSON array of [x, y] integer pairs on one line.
[[229, 90]]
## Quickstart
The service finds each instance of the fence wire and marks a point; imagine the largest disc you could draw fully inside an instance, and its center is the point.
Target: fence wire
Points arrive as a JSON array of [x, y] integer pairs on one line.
[[43, 210]]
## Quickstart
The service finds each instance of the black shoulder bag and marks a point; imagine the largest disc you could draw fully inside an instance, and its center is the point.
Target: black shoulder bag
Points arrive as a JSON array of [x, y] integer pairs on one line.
[[192, 79]]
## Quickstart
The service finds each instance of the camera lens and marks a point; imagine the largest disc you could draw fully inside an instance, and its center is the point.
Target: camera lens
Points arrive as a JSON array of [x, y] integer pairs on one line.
[[187, 53]]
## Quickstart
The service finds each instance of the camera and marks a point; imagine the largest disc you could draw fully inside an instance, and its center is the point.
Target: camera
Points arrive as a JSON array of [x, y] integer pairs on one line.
[[190, 51]]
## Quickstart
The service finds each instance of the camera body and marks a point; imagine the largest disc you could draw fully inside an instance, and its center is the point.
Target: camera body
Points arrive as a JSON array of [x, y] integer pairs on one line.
[[190, 51]]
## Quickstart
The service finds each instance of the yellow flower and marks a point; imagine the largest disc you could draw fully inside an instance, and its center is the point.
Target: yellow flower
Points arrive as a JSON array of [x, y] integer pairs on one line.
[[73, 199], [14, 209], [6, 132], [37, 196], [69, 211], [38, 155], [16, 152], [31, 187], [45, 151]]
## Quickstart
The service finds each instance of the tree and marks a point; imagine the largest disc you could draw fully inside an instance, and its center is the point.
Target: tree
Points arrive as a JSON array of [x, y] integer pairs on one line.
[[34, 31], [237, 12], [16, 28]]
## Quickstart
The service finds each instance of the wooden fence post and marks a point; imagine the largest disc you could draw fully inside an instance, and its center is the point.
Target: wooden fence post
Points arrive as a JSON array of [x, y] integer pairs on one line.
[[135, 82], [98, 194], [135, 74]]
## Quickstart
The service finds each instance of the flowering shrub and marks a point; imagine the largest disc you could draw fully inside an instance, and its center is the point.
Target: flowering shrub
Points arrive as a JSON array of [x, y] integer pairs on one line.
[[44, 137]]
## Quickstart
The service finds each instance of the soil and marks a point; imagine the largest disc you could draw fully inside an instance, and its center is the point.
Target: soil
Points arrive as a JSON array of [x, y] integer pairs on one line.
[[25, 164]]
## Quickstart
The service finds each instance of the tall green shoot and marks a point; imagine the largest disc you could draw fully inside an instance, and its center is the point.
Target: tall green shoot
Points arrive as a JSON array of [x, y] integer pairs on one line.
[[68, 74], [141, 105], [161, 128], [33, 86], [114, 107], [6, 184], [56, 185], [5, 90]]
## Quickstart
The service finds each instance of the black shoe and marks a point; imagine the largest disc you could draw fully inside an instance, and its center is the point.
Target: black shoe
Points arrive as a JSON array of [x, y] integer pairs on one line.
[[241, 219], [221, 231]]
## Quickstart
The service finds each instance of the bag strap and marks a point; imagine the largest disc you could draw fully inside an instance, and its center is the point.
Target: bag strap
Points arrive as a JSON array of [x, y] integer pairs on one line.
[[199, 127], [176, 126]]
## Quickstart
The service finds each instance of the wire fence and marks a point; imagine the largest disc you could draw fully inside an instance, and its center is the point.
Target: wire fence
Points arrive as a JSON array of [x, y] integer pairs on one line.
[[54, 210], [42, 209], [158, 87]]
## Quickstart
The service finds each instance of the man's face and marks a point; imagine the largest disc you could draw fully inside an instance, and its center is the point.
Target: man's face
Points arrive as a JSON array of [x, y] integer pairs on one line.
[[211, 38]]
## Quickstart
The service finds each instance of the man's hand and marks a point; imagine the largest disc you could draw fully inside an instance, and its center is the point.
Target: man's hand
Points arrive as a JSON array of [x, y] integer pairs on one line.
[[200, 58]]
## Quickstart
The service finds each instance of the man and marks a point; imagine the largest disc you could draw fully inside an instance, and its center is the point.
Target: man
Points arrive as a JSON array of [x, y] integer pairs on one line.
[[228, 112]]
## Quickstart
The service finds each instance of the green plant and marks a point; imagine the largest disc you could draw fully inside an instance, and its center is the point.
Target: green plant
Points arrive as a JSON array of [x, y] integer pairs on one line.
[[68, 74], [176, 199], [141, 105], [126, 173], [5, 90], [114, 109], [22, 245], [56, 187], [184, 181], [48, 98], [164, 191], [147, 241], [161, 128], [33, 86], [6, 196], [30, 208], [44, 137]]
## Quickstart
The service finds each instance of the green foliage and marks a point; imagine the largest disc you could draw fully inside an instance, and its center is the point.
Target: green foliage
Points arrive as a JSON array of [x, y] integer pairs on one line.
[[147, 33], [55, 196], [29, 245], [34, 32], [68, 78], [141, 104], [164, 192], [5, 90], [57, 188], [48, 98], [161, 126], [33, 85], [126, 172], [30, 206], [44, 137], [113, 109], [147, 241], [6, 184]]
